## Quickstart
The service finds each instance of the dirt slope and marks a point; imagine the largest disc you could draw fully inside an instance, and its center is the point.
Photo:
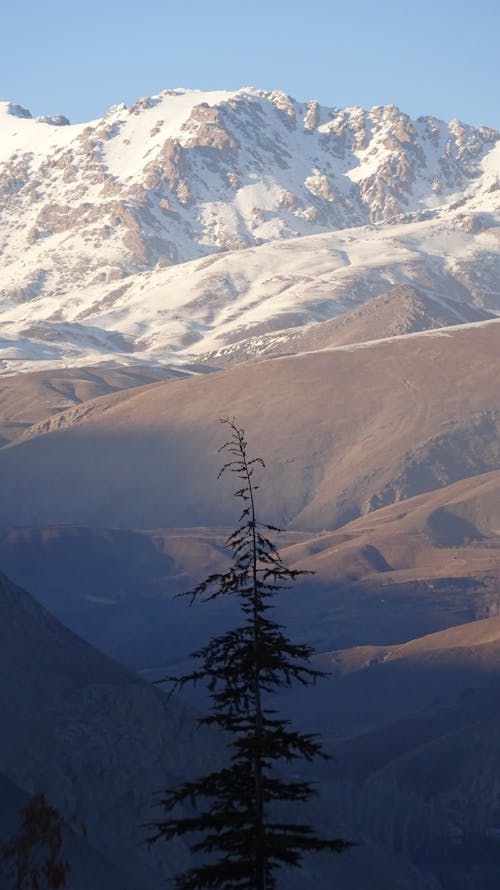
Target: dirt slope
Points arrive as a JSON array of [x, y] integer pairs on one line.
[[342, 432]]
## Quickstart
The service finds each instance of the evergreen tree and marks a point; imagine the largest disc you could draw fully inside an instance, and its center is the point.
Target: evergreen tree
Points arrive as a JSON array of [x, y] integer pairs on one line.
[[234, 814], [32, 859]]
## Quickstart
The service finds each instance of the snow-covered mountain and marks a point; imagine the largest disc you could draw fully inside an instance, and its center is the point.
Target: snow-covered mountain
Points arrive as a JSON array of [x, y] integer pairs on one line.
[[114, 235]]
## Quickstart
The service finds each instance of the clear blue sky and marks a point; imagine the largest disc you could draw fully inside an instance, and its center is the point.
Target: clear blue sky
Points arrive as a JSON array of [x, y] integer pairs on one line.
[[78, 58]]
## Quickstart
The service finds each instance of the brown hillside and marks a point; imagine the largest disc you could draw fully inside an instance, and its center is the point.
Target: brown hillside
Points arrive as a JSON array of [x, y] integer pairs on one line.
[[342, 431], [27, 399], [405, 309]]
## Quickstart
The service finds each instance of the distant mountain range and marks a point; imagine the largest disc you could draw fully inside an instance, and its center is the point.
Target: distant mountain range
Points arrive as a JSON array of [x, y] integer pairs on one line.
[[99, 220]]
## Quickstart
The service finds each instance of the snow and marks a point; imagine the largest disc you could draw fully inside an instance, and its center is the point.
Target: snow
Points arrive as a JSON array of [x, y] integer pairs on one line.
[[176, 314], [125, 156], [25, 135], [73, 291]]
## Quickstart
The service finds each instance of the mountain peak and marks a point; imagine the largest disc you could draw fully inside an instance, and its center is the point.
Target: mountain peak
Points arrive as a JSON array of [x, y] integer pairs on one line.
[[185, 174]]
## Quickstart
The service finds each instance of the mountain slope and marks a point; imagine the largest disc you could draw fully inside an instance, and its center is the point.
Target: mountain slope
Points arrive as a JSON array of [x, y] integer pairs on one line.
[[173, 315], [91, 735], [27, 399], [99, 742], [345, 431], [92, 215], [182, 173], [405, 309], [426, 719]]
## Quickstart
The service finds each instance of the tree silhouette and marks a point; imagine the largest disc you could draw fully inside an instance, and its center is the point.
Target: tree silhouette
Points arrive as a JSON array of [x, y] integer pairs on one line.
[[32, 859], [234, 817]]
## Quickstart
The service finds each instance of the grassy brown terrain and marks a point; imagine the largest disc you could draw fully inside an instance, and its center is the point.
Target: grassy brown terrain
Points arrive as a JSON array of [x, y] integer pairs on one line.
[[27, 399], [344, 431]]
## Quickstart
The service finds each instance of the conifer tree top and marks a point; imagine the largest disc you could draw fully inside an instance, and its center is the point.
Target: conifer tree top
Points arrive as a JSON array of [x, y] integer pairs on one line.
[[243, 815]]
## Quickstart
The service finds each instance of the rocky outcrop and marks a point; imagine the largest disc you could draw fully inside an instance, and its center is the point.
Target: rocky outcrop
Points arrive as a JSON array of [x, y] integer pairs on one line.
[[196, 171]]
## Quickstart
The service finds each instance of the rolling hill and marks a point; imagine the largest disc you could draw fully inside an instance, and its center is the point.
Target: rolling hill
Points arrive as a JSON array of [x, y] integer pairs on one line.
[[345, 431]]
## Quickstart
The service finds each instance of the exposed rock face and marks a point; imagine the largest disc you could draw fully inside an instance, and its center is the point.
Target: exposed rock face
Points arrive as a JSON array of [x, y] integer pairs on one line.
[[57, 120], [17, 110], [214, 162], [184, 175]]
